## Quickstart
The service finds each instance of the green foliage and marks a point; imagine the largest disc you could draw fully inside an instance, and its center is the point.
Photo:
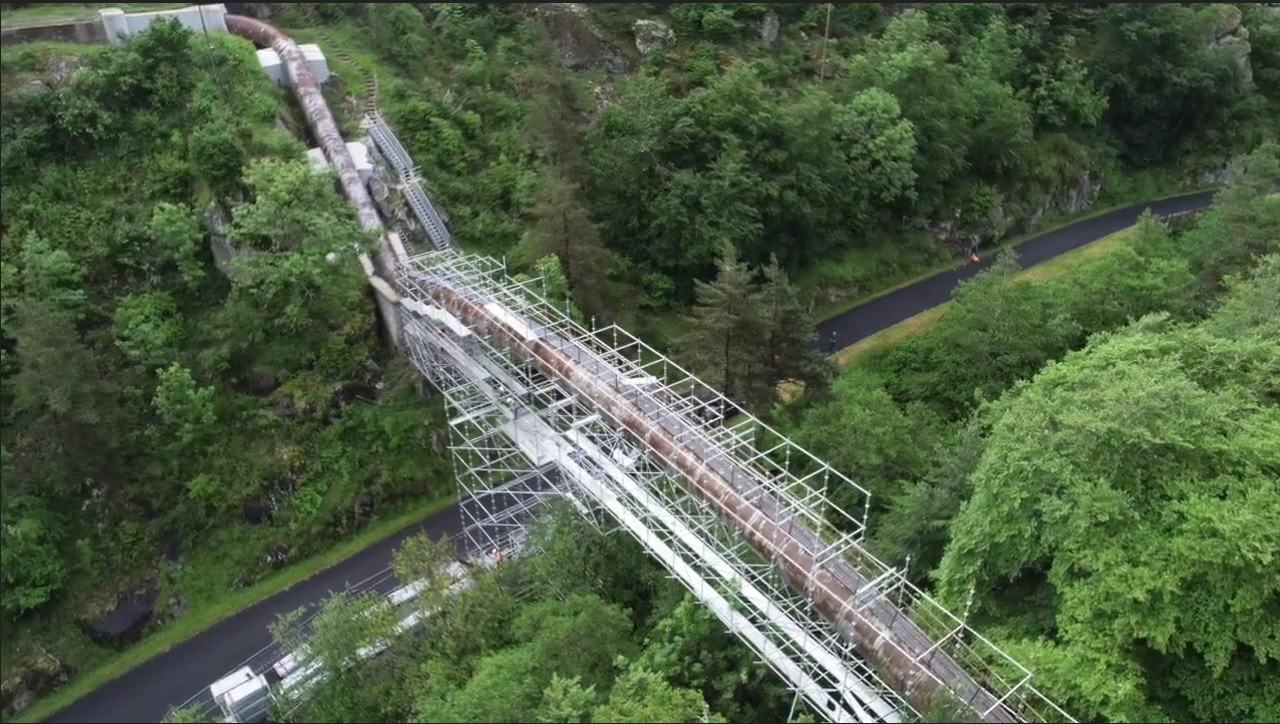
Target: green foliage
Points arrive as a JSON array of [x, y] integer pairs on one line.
[[893, 445], [146, 329], [691, 647], [184, 406], [34, 571], [996, 332], [1245, 223], [147, 391], [169, 393], [219, 156], [179, 237], [1000, 329], [1252, 306], [642, 696], [1148, 520], [1108, 501], [401, 30], [746, 338], [715, 21], [568, 650], [562, 228], [972, 118], [736, 163]]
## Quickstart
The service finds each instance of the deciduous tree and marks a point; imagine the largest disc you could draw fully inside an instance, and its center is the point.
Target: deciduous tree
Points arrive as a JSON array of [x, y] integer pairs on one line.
[[1131, 488]]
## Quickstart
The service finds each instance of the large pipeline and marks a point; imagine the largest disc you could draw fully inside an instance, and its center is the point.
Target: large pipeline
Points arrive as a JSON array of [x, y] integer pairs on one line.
[[325, 130], [882, 634], [832, 585]]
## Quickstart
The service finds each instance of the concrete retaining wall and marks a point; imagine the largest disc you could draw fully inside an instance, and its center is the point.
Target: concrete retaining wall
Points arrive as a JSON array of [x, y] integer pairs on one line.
[[114, 24], [55, 31], [117, 24]]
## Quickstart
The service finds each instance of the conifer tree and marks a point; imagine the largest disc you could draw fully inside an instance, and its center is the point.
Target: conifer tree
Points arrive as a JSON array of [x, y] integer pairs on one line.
[[789, 352], [561, 227], [726, 328]]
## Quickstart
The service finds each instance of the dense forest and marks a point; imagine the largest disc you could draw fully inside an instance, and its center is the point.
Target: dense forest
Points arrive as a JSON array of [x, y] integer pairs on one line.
[[1115, 511], [1108, 488], [194, 391], [847, 145], [180, 417]]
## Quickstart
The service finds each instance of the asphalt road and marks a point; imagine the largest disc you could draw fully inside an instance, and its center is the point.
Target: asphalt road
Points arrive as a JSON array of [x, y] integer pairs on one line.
[[146, 693], [886, 311]]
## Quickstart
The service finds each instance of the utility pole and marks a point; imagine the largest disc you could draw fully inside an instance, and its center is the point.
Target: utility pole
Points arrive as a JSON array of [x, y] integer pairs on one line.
[[822, 69]]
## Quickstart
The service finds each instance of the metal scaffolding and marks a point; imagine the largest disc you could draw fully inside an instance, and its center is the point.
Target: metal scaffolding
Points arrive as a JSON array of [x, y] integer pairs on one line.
[[522, 432], [542, 406]]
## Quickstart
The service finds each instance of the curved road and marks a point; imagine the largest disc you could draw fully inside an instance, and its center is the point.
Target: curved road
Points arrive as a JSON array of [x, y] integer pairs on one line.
[[883, 312], [146, 693]]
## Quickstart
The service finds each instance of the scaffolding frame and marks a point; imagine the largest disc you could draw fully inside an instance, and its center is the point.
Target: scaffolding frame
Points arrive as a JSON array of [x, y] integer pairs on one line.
[[508, 420]]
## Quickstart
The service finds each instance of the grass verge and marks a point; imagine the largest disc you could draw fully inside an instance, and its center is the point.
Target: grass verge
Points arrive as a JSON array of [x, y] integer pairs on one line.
[[921, 322], [71, 12], [899, 332], [199, 620], [835, 309]]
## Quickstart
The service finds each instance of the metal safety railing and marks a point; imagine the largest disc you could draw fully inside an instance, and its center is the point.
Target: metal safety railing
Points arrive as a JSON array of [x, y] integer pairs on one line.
[[411, 183]]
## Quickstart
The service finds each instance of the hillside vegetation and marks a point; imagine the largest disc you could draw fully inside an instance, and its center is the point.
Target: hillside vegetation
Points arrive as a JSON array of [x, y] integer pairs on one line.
[[180, 417], [1094, 460], [860, 152], [193, 392]]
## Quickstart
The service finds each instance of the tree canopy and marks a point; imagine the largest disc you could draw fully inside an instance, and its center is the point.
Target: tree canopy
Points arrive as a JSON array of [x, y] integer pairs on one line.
[[193, 391], [185, 374]]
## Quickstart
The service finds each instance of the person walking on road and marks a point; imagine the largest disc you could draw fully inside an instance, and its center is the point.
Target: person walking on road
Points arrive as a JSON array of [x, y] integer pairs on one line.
[[973, 253]]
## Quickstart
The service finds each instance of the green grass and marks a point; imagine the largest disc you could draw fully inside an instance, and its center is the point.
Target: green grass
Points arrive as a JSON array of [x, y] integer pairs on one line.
[[200, 619], [922, 259], [900, 332], [32, 56], [834, 309], [921, 322], [349, 40], [69, 12]]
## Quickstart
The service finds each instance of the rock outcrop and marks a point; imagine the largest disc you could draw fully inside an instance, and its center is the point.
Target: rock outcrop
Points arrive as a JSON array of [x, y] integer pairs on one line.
[[30, 678], [770, 28], [582, 46], [121, 625], [1230, 37], [652, 34]]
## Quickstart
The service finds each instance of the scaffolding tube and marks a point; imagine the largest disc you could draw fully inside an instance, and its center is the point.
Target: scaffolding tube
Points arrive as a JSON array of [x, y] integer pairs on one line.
[[878, 630]]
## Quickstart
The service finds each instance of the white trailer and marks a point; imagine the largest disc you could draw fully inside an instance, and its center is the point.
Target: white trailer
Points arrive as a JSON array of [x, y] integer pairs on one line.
[[243, 696]]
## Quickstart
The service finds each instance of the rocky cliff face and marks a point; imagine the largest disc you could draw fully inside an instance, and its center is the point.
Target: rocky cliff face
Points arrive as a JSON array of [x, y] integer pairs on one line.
[[1229, 37], [581, 44], [1009, 217]]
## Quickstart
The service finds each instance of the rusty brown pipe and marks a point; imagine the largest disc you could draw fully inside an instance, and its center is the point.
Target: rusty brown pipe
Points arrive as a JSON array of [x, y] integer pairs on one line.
[[316, 111], [325, 130], [918, 683]]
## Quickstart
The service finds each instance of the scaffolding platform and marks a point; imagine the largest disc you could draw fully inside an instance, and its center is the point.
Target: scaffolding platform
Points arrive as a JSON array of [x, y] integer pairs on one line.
[[738, 513]]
